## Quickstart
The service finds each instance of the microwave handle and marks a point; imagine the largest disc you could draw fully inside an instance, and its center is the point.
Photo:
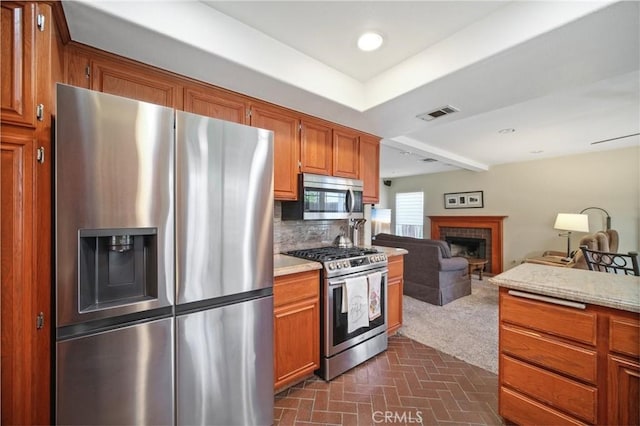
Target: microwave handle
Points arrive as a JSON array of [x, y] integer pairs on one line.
[[351, 201]]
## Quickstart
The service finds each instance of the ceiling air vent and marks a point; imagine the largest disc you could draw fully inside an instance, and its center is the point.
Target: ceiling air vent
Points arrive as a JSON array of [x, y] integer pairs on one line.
[[429, 160], [428, 116]]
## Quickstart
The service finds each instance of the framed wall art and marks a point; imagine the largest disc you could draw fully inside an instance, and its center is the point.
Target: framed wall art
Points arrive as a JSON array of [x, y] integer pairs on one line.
[[464, 200]]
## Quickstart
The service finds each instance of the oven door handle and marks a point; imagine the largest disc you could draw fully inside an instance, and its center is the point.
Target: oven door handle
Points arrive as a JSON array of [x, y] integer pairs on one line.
[[333, 282]]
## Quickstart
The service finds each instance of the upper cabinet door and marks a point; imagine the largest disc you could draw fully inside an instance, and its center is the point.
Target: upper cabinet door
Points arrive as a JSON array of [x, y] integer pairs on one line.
[[18, 63], [286, 147], [346, 153], [370, 168], [135, 82], [216, 103], [316, 147]]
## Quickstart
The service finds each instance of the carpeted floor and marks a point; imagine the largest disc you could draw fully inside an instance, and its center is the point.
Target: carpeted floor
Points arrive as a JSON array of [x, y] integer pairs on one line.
[[466, 328]]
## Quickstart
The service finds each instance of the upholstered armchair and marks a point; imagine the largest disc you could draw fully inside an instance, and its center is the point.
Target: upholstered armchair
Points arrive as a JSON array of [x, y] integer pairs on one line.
[[601, 241]]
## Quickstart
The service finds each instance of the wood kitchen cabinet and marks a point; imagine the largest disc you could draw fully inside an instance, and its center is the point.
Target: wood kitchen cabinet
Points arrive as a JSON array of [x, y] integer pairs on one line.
[[567, 365], [104, 72], [134, 81], [624, 370], [370, 168], [395, 287], [18, 63], [316, 147], [296, 300], [107, 73], [216, 103], [301, 143], [286, 146], [346, 153], [31, 61]]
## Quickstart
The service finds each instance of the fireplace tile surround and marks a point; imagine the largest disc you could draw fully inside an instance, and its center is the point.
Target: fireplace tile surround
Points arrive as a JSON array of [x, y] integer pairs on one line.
[[487, 227]]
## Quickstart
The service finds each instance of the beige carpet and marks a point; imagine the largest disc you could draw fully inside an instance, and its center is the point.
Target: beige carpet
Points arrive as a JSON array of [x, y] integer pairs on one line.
[[466, 328]]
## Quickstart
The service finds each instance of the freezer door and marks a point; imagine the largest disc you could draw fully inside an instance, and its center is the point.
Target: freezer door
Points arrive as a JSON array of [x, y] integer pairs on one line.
[[225, 365], [122, 376], [224, 208]]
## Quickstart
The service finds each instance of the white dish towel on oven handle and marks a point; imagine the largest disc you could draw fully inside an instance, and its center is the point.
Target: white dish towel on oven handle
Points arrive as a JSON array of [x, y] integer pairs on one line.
[[374, 295], [355, 302]]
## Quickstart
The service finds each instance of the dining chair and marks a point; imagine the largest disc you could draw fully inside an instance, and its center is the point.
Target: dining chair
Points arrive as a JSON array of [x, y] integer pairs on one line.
[[614, 263]]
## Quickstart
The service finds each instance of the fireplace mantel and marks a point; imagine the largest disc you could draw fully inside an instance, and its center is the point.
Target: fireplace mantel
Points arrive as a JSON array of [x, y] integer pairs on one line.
[[493, 223]]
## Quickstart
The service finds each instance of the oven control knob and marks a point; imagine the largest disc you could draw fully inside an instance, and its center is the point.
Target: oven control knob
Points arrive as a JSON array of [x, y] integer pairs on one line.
[[376, 258], [331, 266], [345, 264], [383, 257]]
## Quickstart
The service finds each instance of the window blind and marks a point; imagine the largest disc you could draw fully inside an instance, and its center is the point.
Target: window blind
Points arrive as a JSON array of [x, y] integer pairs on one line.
[[409, 214]]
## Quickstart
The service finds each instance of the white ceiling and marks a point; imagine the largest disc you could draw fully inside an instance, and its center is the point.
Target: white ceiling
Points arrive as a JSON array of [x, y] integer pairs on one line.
[[563, 74]]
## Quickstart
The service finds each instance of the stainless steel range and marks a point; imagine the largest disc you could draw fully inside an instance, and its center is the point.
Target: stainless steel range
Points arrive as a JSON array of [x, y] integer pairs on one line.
[[342, 349]]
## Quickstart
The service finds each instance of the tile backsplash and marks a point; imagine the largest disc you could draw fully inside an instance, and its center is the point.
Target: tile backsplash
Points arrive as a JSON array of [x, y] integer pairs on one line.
[[303, 234]]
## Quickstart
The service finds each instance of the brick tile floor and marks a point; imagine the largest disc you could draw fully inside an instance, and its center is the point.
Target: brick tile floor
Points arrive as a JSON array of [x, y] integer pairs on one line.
[[408, 384]]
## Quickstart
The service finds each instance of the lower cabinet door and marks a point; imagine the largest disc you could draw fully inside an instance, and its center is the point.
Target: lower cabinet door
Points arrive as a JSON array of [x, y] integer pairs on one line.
[[394, 305], [297, 341], [624, 391]]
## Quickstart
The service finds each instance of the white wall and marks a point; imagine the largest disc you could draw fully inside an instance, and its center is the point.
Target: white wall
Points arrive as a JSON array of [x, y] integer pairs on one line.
[[533, 192]]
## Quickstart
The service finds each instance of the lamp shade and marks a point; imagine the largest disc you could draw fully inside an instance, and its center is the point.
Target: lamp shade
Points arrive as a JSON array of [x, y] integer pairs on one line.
[[572, 222]]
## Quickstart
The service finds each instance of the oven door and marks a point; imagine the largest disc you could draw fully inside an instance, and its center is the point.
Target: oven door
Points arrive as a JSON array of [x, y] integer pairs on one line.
[[335, 336]]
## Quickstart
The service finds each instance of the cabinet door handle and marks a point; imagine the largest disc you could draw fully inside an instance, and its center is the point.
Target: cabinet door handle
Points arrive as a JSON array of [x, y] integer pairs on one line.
[[547, 299]]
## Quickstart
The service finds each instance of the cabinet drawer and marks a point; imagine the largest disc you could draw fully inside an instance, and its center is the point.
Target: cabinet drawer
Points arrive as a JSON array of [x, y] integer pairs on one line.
[[396, 267], [570, 323], [624, 336], [559, 392], [524, 411], [547, 352], [294, 287]]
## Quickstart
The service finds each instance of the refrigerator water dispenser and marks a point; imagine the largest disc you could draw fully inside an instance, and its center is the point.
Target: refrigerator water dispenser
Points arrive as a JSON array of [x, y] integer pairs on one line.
[[117, 266]]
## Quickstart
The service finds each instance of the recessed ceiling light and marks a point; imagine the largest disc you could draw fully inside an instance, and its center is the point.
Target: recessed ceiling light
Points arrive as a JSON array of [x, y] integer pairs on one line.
[[505, 131], [369, 41], [537, 151]]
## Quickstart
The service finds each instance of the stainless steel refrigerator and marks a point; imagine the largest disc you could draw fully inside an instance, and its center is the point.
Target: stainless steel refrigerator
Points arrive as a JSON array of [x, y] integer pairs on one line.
[[164, 265]]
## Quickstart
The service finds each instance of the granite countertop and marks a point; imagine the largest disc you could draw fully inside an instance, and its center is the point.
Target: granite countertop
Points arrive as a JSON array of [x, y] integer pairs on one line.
[[578, 285], [285, 265], [390, 251]]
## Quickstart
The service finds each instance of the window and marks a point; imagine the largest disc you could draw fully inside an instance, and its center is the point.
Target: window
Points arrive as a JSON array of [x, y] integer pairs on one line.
[[409, 219]]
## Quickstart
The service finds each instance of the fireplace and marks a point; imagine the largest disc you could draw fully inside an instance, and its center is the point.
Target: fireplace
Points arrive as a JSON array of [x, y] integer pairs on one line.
[[467, 247], [488, 228]]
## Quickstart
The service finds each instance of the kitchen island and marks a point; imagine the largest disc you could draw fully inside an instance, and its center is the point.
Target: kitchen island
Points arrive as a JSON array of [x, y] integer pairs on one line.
[[569, 345]]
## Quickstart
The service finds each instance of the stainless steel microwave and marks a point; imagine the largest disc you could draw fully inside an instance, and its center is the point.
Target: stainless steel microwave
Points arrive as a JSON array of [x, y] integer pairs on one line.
[[325, 197]]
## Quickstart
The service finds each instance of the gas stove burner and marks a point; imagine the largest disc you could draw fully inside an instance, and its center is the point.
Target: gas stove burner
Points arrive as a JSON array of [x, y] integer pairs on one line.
[[324, 254], [342, 261]]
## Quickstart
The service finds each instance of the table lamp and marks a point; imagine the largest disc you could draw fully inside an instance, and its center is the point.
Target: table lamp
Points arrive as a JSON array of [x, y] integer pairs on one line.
[[571, 222]]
